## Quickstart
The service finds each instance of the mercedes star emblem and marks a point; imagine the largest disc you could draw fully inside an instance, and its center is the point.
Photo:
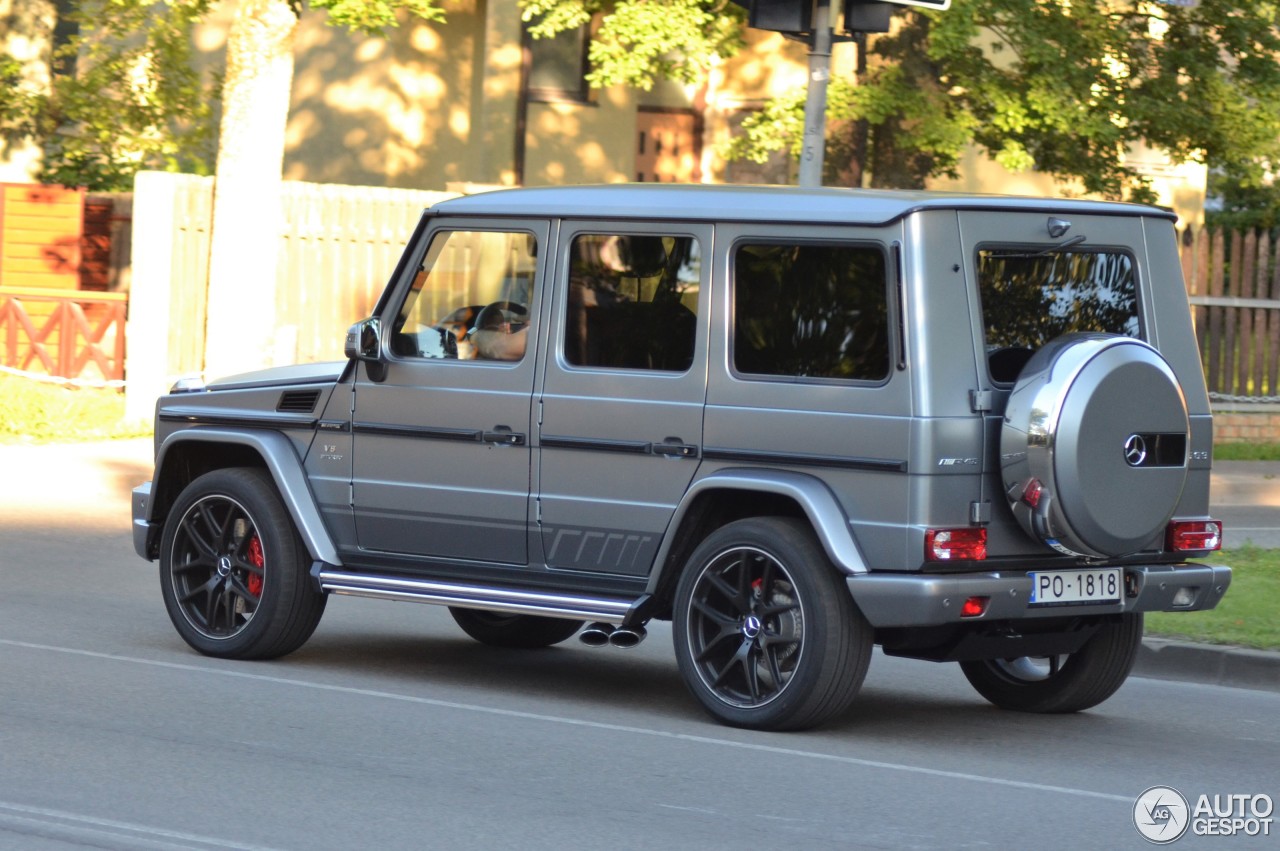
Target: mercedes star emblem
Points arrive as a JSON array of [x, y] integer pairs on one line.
[[1135, 450]]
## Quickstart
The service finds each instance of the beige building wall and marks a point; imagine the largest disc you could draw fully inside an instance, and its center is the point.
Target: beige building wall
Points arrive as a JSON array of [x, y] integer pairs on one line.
[[437, 106], [1180, 187], [396, 112], [582, 143]]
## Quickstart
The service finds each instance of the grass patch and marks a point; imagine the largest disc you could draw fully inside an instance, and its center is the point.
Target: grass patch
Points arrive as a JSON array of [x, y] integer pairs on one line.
[[1246, 452], [36, 412], [1247, 614]]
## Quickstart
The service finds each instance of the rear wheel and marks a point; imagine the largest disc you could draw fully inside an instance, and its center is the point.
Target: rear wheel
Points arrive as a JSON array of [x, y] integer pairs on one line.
[[233, 571], [1065, 683], [501, 630], [766, 634]]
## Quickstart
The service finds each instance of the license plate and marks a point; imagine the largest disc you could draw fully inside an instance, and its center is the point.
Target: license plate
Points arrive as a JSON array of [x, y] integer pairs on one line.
[[1067, 587]]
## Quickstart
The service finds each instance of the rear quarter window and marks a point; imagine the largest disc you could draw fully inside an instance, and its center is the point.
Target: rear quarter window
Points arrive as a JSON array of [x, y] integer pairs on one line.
[[813, 310]]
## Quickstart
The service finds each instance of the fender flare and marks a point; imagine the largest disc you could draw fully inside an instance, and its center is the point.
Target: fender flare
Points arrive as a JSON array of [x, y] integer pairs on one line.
[[828, 519], [282, 462]]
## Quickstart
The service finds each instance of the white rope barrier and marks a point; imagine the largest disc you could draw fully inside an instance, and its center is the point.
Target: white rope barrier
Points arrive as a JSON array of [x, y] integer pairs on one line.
[[113, 384]]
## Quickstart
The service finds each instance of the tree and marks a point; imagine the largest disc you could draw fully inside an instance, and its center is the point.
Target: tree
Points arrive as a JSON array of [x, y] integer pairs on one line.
[[240, 326], [1064, 87], [124, 95], [640, 41]]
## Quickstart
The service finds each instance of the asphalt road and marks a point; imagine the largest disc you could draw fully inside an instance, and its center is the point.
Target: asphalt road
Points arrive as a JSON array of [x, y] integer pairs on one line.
[[391, 730]]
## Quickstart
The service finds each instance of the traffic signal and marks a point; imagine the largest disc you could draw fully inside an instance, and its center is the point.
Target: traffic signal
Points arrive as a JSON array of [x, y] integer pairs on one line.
[[872, 16], [788, 16]]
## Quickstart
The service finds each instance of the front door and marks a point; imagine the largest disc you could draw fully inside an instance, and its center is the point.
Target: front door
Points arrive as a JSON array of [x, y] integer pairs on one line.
[[441, 457], [621, 427]]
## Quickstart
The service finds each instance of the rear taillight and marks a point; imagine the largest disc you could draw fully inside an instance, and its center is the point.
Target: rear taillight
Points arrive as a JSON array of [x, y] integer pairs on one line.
[[1190, 535], [1032, 493], [967, 544]]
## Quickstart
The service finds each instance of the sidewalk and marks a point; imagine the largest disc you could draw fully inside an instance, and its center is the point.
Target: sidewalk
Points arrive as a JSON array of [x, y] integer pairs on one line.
[[103, 473]]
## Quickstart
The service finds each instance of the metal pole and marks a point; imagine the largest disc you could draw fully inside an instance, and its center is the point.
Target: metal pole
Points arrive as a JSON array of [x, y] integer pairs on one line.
[[815, 104]]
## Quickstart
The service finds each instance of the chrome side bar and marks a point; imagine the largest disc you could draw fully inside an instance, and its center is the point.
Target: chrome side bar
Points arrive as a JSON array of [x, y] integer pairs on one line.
[[486, 598]]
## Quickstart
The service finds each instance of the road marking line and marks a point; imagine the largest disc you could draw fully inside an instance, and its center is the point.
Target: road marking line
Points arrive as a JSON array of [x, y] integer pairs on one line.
[[40, 821], [578, 722]]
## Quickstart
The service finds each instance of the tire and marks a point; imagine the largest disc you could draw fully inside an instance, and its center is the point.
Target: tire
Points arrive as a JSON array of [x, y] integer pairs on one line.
[[766, 634], [524, 631], [1059, 684], [233, 571]]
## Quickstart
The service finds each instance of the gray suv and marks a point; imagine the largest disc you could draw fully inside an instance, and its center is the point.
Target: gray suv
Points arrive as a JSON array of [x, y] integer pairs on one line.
[[795, 423]]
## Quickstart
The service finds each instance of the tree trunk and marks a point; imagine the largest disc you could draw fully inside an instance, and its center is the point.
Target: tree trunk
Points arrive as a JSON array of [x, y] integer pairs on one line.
[[246, 204]]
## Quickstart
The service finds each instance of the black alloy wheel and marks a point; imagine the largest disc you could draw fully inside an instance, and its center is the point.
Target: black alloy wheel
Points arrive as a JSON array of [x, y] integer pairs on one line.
[[767, 635], [233, 570]]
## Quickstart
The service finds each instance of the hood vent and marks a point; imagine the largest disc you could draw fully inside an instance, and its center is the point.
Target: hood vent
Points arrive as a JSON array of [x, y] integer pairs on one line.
[[298, 401]]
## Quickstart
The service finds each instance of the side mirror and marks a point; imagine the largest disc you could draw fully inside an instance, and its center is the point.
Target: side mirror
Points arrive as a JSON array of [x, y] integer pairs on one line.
[[364, 343]]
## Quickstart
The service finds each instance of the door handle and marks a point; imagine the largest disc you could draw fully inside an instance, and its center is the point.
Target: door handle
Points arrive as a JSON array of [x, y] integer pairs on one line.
[[503, 436], [675, 450]]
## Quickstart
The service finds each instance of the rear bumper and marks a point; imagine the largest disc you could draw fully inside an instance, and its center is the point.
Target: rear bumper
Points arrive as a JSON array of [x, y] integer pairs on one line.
[[907, 600]]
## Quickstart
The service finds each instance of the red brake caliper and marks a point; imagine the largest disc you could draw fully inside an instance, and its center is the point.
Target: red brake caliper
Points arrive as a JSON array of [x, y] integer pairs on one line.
[[256, 559]]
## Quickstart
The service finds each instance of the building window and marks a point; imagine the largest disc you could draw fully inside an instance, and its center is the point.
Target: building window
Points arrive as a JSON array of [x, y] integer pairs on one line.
[[558, 66]]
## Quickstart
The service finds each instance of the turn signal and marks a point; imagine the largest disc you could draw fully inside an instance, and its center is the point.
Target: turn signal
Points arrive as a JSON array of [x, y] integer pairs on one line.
[[1190, 535], [967, 544]]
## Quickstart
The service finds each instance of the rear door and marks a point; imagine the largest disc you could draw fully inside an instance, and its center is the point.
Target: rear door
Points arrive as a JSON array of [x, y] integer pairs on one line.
[[621, 409]]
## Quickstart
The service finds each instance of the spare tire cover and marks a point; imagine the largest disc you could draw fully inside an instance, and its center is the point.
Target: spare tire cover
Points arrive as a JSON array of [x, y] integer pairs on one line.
[[1094, 445]]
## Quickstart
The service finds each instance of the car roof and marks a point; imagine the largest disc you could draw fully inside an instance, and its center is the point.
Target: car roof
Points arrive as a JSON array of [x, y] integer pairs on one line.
[[735, 202]]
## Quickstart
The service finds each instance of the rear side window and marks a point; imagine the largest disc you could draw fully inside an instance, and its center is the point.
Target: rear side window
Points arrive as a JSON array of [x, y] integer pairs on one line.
[[1031, 297], [811, 311], [633, 302]]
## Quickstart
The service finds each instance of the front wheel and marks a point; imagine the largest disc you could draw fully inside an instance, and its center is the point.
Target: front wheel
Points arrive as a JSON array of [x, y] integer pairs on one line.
[[523, 631], [1065, 683], [766, 634], [233, 571]]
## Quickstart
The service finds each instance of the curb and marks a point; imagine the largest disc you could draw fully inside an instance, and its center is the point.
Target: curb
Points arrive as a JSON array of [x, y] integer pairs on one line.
[[1239, 667]]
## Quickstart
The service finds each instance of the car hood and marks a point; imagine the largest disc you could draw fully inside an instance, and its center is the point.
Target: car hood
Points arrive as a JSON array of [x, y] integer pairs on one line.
[[307, 373]]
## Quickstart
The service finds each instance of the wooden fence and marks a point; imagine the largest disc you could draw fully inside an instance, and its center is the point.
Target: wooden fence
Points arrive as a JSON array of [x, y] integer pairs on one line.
[[1233, 285], [339, 245], [64, 333]]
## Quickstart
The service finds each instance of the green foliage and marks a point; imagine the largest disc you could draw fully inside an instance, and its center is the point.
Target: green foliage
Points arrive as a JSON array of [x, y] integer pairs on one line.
[[18, 102], [1246, 615], [640, 41], [124, 97], [35, 412], [1242, 204], [1067, 88], [1246, 452], [373, 17]]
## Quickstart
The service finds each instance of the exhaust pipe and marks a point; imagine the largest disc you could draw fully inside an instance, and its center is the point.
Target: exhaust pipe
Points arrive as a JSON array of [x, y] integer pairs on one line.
[[596, 634], [627, 637]]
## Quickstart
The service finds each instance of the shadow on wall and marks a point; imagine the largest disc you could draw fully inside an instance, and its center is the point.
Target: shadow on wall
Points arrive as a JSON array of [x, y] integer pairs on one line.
[[392, 111]]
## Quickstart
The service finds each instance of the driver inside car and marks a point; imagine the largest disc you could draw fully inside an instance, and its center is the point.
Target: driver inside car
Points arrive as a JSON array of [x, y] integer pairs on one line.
[[501, 332]]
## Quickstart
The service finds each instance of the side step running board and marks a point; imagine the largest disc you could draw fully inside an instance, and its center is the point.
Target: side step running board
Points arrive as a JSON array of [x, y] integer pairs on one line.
[[487, 598]]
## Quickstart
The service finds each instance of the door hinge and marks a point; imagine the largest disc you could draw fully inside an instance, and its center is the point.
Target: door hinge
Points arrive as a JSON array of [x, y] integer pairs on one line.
[[980, 401]]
